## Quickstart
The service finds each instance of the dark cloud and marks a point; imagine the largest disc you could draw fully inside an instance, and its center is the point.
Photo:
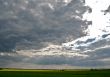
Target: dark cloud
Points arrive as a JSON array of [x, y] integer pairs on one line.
[[28, 24]]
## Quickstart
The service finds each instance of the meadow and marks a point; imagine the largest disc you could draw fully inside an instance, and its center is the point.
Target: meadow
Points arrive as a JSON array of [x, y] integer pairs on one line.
[[54, 73]]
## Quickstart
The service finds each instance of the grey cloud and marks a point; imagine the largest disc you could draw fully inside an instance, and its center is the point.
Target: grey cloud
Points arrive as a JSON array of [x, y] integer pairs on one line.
[[28, 24], [95, 59], [53, 60], [5, 60], [99, 53], [88, 43]]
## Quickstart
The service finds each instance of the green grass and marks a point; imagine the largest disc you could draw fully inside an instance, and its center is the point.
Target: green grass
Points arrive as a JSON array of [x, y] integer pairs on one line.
[[53, 73]]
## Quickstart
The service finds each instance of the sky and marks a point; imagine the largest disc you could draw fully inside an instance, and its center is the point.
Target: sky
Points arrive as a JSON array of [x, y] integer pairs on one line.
[[54, 34]]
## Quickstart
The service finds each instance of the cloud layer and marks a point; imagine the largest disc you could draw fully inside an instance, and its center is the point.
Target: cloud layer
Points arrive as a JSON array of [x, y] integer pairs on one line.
[[38, 34], [32, 24]]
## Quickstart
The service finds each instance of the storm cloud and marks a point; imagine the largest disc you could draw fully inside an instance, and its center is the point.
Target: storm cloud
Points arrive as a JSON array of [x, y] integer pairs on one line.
[[31, 24]]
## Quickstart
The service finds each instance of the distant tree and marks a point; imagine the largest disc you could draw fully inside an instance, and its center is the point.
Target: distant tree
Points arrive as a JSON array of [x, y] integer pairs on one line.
[[1, 68]]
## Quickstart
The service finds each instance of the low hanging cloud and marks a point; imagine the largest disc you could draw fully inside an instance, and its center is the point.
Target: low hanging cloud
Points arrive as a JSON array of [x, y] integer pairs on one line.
[[95, 59]]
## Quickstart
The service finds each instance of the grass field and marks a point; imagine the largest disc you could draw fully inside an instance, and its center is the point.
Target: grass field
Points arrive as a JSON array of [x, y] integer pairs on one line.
[[53, 73]]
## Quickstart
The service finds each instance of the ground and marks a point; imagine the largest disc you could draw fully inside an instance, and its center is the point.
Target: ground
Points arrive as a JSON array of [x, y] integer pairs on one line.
[[54, 73]]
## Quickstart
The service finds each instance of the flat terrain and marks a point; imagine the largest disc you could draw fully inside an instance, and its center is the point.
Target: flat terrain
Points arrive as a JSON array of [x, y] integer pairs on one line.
[[54, 73]]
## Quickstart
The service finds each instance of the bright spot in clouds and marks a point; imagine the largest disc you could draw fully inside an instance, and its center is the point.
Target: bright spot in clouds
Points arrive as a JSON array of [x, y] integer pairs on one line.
[[98, 31], [99, 20]]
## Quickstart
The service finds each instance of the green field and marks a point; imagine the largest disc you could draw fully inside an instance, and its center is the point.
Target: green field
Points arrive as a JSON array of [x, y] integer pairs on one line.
[[53, 73]]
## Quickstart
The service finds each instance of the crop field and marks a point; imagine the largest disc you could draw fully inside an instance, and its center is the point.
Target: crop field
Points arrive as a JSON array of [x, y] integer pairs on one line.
[[54, 73]]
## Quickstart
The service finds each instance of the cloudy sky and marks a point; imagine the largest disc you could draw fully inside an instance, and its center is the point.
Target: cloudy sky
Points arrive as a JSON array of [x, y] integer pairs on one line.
[[55, 33]]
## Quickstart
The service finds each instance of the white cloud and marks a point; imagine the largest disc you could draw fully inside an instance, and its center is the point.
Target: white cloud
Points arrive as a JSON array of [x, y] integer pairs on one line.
[[98, 33], [54, 50]]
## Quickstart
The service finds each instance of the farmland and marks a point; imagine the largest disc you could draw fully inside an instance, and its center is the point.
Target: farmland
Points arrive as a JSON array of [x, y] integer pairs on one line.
[[54, 73]]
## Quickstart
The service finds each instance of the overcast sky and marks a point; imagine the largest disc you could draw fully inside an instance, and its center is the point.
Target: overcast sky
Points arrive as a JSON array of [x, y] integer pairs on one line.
[[54, 33]]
